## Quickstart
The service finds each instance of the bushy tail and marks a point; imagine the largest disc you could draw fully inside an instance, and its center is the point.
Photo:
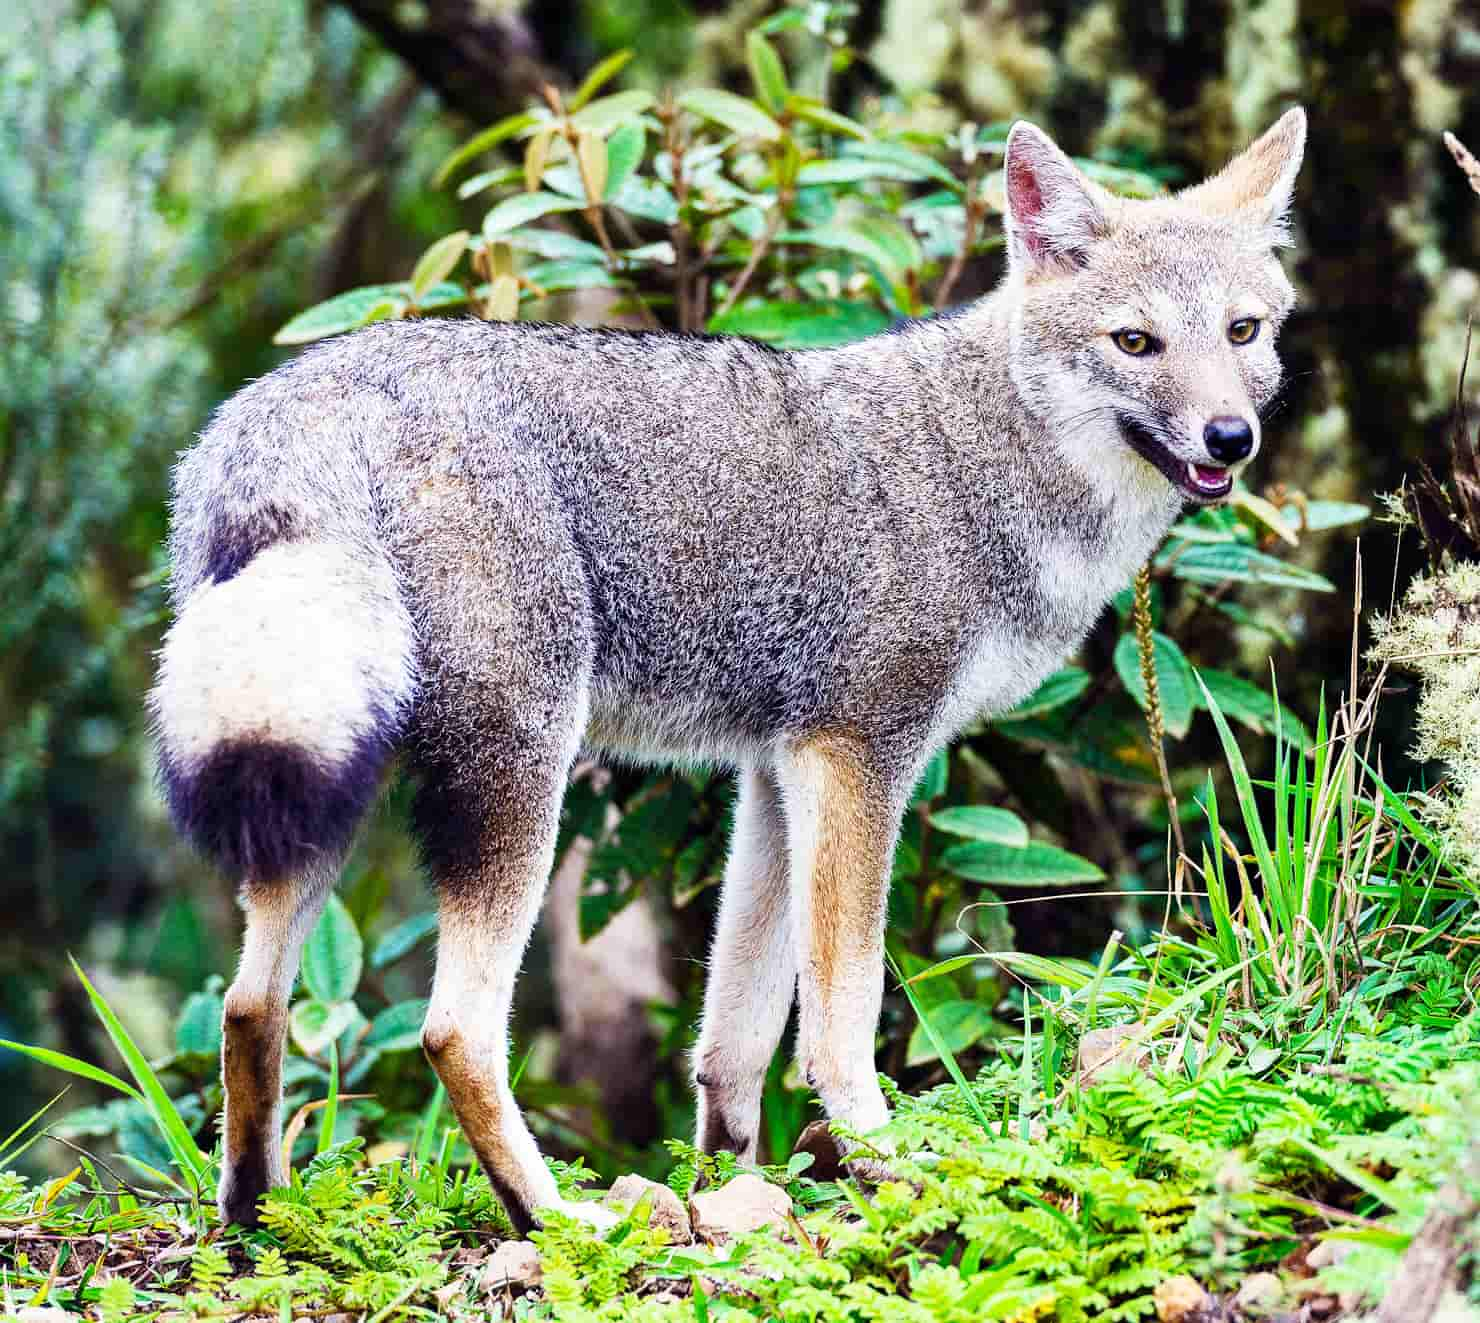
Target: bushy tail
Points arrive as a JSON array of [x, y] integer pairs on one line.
[[282, 693]]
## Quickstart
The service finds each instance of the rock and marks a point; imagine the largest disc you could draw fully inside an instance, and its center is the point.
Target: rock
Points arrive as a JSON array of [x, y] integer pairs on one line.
[[1325, 1253], [667, 1209], [747, 1203], [44, 1314], [513, 1266], [1260, 1294], [1101, 1048], [1180, 1300]]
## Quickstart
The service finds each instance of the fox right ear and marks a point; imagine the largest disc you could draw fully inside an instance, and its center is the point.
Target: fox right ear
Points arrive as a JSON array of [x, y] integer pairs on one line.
[[1054, 213]]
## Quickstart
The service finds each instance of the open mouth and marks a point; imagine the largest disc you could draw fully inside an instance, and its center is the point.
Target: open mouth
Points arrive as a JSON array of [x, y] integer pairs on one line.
[[1201, 482]]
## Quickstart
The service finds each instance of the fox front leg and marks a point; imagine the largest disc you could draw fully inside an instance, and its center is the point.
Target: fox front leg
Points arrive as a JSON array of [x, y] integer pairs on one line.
[[842, 809]]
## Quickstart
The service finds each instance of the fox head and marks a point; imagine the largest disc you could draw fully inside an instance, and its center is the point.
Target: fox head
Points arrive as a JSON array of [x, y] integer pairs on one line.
[[1143, 332]]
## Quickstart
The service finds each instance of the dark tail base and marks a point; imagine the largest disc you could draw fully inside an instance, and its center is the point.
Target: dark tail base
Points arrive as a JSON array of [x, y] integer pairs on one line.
[[263, 811]]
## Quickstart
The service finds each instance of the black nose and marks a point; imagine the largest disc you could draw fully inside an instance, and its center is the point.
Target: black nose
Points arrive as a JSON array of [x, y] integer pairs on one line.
[[1228, 439]]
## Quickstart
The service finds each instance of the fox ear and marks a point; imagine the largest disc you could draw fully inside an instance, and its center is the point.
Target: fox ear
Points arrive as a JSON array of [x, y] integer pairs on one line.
[[1054, 213], [1260, 181]]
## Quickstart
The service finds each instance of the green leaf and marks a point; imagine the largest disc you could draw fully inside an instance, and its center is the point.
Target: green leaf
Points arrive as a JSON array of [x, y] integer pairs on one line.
[[878, 239], [958, 1025], [315, 1024], [486, 179], [1174, 679], [344, 312], [522, 208], [1220, 562], [1033, 865], [646, 198], [801, 325], [555, 276], [602, 74], [162, 1110], [555, 245], [852, 172], [933, 778], [403, 937], [1321, 515], [435, 265], [734, 112], [397, 1028], [903, 158], [603, 115], [766, 72], [482, 142], [1248, 704], [624, 151], [600, 905], [829, 121], [73, 1066], [981, 822], [333, 955], [198, 1030], [1061, 688]]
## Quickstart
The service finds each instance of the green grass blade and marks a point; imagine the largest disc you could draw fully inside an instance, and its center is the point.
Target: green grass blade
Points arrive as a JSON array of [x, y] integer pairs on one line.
[[161, 1107], [329, 1116], [9, 1156], [948, 1059], [61, 1061], [426, 1135]]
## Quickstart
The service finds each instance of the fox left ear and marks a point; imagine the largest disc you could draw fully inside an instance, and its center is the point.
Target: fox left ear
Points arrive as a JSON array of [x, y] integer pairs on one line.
[[1053, 212], [1260, 181]]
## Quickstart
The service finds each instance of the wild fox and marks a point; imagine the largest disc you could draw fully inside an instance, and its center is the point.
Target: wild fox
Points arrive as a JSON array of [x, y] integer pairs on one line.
[[482, 547]]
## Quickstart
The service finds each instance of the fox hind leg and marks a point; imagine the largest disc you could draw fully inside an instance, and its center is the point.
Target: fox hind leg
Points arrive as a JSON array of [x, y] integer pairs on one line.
[[254, 1026], [752, 973]]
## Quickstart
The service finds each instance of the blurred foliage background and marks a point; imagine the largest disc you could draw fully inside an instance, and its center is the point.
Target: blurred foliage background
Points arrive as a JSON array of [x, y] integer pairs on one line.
[[180, 178]]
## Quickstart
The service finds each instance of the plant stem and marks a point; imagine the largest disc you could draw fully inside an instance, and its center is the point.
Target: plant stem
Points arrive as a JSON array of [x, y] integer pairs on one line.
[[1145, 646]]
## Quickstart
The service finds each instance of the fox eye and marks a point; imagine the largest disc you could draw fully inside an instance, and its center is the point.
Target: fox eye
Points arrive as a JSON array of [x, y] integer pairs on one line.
[[1244, 331], [1134, 343]]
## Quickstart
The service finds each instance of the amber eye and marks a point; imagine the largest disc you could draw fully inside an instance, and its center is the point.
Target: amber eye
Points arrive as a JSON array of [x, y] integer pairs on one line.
[[1134, 343], [1244, 331]]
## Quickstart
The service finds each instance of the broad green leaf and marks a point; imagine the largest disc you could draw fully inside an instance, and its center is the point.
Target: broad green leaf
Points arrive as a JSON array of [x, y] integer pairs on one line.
[[519, 210], [555, 245], [829, 121], [933, 778], [1174, 679], [734, 112], [1249, 704], [604, 114], [482, 142], [1264, 513], [766, 72], [315, 1024], [435, 265], [1218, 563], [878, 239], [486, 179], [598, 78], [1061, 688], [1320, 515], [1033, 865], [982, 822], [901, 157], [397, 1028], [405, 935], [623, 155], [802, 325], [344, 312], [198, 1030], [852, 172], [646, 198], [555, 276], [958, 1025], [601, 905], [333, 955]]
